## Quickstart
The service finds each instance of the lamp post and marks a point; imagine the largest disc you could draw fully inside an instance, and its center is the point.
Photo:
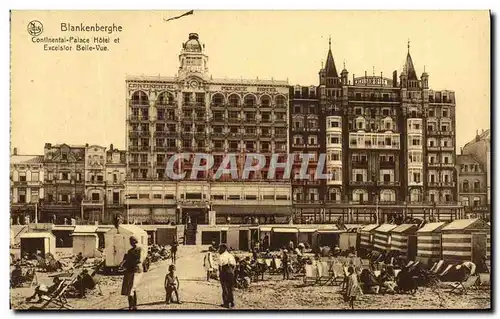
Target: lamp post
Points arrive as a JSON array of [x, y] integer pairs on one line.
[[127, 197]]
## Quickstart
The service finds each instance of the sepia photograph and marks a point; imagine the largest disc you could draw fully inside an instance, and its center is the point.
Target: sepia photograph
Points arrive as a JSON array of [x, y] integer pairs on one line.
[[250, 160]]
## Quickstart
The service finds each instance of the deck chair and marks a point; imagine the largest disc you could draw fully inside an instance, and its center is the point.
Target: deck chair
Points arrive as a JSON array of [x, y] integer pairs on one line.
[[325, 274], [484, 280], [409, 263], [356, 261], [462, 287], [365, 264], [311, 275], [438, 266], [58, 298], [338, 274], [445, 271], [433, 267]]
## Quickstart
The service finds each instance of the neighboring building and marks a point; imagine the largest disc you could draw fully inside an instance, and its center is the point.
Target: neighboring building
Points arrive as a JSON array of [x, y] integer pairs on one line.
[[472, 185], [480, 149], [64, 169], [192, 112], [26, 187], [306, 137], [473, 165], [115, 177], [95, 183], [390, 144]]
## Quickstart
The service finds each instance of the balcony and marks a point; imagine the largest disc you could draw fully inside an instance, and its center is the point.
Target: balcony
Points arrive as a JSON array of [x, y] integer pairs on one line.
[[171, 148], [433, 184], [92, 202], [432, 133], [160, 133], [388, 183], [160, 163], [302, 145], [138, 118], [433, 164], [359, 164], [144, 148], [447, 133], [218, 149], [471, 190], [280, 135], [142, 104], [361, 183], [133, 148], [387, 164], [160, 148], [449, 165], [433, 148], [448, 184], [447, 148]]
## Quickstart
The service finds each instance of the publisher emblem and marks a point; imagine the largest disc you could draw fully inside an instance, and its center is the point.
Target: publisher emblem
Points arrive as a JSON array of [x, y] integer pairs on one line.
[[35, 28]]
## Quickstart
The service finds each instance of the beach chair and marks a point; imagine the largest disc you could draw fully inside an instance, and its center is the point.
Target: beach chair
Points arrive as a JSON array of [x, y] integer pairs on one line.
[[311, 274], [356, 261], [462, 287], [58, 297], [338, 274], [326, 273], [445, 271], [409, 263], [438, 266]]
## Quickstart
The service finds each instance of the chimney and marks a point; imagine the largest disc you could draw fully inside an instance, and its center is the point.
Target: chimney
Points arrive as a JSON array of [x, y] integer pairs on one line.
[[86, 144], [15, 151], [395, 78], [110, 147]]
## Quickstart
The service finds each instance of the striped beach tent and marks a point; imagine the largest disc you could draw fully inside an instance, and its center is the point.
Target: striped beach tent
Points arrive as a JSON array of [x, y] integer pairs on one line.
[[403, 239], [382, 238], [429, 242], [366, 236], [465, 239]]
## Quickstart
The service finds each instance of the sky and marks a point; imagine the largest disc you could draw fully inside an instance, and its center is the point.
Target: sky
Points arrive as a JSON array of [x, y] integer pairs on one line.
[[79, 97]]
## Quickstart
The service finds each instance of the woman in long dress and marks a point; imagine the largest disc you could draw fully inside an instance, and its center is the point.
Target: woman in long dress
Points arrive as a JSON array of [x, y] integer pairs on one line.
[[209, 263], [132, 263]]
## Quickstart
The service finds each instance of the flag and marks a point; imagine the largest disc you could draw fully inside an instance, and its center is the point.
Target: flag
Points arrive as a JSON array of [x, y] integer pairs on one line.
[[182, 15]]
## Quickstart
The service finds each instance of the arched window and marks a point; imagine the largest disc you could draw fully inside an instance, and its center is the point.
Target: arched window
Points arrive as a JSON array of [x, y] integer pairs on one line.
[[334, 195], [477, 201], [465, 186], [265, 101], [465, 201], [249, 100], [140, 98], [217, 99], [387, 195], [360, 123], [234, 100], [415, 195], [280, 101], [388, 124], [165, 98]]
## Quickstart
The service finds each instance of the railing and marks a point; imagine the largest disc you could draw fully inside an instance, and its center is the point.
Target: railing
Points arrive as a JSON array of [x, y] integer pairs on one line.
[[447, 133], [448, 184], [144, 148], [160, 133], [360, 183], [433, 148], [93, 202], [447, 148], [387, 164], [447, 165], [389, 183], [473, 190], [135, 103], [138, 118], [159, 148]]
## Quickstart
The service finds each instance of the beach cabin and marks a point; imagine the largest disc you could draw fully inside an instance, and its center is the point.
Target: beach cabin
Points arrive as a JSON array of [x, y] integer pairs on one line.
[[282, 236], [348, 240], [404, 240], [101, 231], [206, 234], [429, 242], [263, 231], [382, 237], [42, 241], [117, 243], [85, 241], [233, 237], [465, 240], [247, 237], [63, 235], [366, 235], [326, 236], [306, 235]]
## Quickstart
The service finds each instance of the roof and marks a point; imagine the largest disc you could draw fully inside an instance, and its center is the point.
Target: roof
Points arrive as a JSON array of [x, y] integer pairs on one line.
[[329, 231], [85, 229], [63, 227], [404, 228], [328, 226], [174, 80], [462, 224], [431, 227], [37, 235], [131, 228], [330, 69], [284, 230], [369, 227], [409, 68], [26, 159], [307, 230], [104, 228], [466, 159], [214, 228], [385, 228]]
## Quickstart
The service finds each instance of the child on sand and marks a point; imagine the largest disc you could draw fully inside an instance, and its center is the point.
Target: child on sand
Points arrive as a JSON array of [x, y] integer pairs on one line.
[[171, 285], [353, 288]]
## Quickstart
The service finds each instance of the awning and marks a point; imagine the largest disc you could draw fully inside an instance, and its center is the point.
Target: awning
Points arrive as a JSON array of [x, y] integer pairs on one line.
[[461, 224], [265, 228], [307, 230], [36, 235], [104, 229], [285, 230], [213, 229], [329, 231], [63, 227], [405, 228], [85, 229], [253, 210], [370, 227]]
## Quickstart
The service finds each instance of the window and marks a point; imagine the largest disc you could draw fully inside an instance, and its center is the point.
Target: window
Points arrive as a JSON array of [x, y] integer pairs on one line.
[[186, 97], [157, 196], [296, 109], [334, 124], [200, 98], [334, 140], [465, 201], [477, 201], [445, 113], [477, 186], [431, 113], [64, 176], [416, 177], [234, 197], [95, 196], [64, 156], [358, 111], [22, 177], [385, 112], [465, 186]]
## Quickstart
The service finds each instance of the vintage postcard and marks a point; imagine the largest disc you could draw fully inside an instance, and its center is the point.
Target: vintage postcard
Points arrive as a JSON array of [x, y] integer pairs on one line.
[[236, 160]]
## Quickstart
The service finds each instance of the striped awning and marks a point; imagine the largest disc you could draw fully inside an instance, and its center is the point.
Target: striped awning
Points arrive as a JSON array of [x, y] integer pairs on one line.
[[385, 228]]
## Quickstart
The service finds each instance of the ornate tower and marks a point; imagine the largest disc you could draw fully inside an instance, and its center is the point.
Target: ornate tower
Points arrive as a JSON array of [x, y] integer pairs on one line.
[[192, 58]]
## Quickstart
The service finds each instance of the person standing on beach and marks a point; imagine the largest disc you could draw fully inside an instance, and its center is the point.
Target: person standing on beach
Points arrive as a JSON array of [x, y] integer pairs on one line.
[[227, 263], [132, 263]]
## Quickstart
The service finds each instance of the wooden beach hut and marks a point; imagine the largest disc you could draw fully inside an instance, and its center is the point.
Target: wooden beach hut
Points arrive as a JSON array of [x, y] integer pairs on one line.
[[382, 237], [429, 242], [85, 241], [44, 242], [465, 240], [404, 240], [366, 236]]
